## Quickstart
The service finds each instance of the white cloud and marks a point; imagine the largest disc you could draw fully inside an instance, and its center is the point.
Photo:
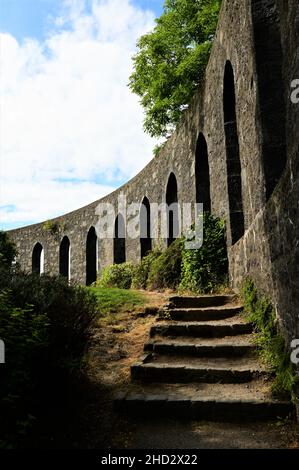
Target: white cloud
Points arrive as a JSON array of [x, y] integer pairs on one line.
[[67, 112], [30, 207]]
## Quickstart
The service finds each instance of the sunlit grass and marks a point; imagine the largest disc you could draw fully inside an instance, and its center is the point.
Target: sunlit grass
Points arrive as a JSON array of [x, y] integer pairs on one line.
[[114, 300]]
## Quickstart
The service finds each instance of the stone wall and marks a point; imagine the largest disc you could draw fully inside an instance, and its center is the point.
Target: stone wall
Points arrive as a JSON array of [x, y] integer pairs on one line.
[[269, 251], [260, 40]]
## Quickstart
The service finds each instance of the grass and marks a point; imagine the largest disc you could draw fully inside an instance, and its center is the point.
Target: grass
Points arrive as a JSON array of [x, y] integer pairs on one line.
[[115, 300]]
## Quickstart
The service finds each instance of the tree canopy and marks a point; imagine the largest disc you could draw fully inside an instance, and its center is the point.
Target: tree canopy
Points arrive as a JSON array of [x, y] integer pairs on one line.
[[171, 61]]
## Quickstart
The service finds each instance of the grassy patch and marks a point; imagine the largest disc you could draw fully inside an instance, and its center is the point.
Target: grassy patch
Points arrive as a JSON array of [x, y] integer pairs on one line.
[[114, 300]]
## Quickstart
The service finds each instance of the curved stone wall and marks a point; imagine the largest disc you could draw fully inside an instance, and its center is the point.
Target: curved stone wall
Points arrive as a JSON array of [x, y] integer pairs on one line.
[[267, 127]]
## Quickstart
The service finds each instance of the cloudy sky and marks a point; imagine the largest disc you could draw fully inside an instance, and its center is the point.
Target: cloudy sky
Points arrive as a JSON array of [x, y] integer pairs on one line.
[[70, 129]]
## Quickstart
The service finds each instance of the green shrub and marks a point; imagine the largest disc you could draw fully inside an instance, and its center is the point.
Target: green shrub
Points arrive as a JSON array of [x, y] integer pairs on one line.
[[140, 279], [45, 324], [70, 310], [25, 334], [8, 250], [205, 270], [117, 275], [165, 270], [270, 342], [26, 340]]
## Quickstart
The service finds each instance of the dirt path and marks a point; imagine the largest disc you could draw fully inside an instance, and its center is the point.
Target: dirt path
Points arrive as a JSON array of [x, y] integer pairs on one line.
[[168, 434]]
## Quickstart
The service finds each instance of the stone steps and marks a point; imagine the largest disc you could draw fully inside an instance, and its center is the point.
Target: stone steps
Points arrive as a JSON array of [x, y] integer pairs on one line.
[[198, 347], [201, 301], [200, 363], [157, 368], [204, 314], [210, 402], [201, 329]]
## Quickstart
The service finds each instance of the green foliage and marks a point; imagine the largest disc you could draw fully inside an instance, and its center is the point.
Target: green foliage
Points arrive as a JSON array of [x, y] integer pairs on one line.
[[25, 334], [158, 148], [171, 61], [70, 310], [205, 270], [269, 340], [45, 324], [112, 299], [8, 250], [165, 270], [140, 279], [50, 226], [202, 270], [54, 227], [117, 275]]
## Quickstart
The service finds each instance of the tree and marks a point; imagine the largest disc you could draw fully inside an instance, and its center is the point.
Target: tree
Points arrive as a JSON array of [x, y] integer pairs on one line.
[[8, 250], [171, 61]]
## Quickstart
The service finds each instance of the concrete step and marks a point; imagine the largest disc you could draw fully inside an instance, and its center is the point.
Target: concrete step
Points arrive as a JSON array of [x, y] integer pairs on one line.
[[209, 402], [201, 301], [181, 369], [231, 346], [202, 329], [204, 314]]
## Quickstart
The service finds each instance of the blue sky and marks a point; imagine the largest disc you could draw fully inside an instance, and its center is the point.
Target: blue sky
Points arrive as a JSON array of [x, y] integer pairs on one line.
[[72, 131], [23, 18]]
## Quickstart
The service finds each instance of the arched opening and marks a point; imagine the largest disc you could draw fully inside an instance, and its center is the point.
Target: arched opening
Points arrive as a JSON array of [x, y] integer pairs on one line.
[[270, 90], [233, 163], [202, 174], [91, 256], [38, 259], [145, 227], [172, 209], [119, 240], [64, 258]]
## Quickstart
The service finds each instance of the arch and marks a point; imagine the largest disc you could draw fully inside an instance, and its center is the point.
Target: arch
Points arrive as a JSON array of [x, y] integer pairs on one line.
[[172, 209], [91, 256], [233, 163], [119, 246], [145, 227], [64, 258], [38, 259], [202, 174], [270, 90]]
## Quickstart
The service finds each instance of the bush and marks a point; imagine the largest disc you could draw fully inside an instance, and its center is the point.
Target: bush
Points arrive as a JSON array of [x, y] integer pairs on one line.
[[117, 275], [8, 250], [25, 334], [165, 270], [205, 270], [70, 310], [140, 279], [269, 340], [46, 325]]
